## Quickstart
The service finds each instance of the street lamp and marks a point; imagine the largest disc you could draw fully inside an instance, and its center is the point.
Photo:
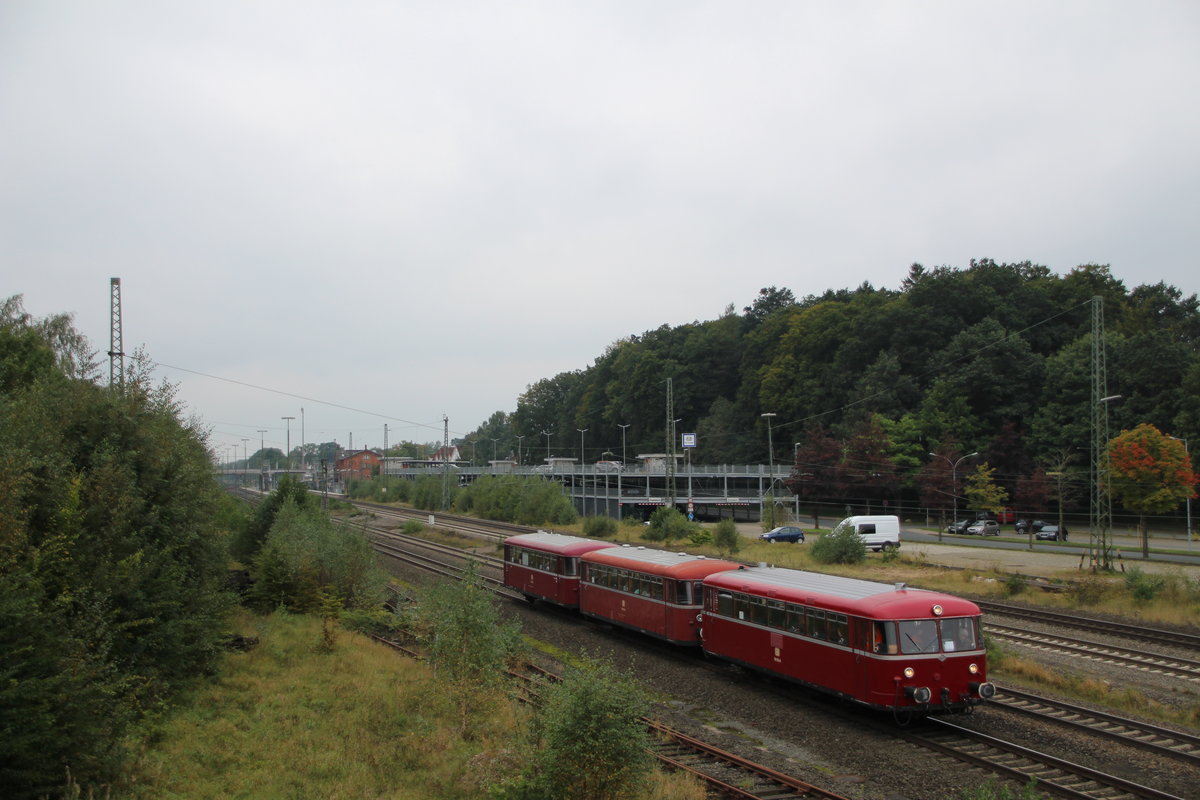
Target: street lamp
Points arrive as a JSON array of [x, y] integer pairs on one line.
[[519, 438], [1188, 500], [494, 441], [582, 479], [288, 420], [771, 461], [622, 426], [953, 483], [547, 435], [246, 462]]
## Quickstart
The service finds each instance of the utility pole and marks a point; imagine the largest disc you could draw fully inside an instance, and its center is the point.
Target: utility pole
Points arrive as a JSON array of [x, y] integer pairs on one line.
[[445, 462], [1100, 538], [620, 505], [262, 459], [582, 471]]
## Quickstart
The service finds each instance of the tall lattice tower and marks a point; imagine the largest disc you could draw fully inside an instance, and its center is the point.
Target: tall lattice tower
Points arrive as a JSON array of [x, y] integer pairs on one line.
[[116, 351], [670, 448], [1100, 541]]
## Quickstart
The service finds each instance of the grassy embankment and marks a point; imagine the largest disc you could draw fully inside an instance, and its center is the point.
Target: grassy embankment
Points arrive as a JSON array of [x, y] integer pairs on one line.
[[286, 720]]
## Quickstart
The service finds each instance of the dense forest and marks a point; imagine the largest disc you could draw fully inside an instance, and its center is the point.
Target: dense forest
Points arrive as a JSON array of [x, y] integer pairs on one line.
[[994, 358]]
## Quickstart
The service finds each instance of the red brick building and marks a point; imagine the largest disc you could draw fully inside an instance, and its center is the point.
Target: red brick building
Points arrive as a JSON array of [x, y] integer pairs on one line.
[[358, 464]]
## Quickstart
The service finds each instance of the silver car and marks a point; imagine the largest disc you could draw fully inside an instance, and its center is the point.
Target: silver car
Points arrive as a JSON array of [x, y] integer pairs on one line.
[[984, 527]]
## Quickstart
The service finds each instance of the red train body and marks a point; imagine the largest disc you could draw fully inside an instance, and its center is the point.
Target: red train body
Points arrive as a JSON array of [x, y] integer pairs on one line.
[[882, 645], [652, 591], [546, 565]]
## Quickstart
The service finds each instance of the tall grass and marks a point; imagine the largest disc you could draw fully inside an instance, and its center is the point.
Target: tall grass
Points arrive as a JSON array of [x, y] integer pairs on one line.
[[286, 720]]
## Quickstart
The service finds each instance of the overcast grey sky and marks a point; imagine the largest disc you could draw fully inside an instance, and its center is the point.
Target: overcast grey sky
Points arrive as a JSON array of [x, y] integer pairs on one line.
[[419, 208]]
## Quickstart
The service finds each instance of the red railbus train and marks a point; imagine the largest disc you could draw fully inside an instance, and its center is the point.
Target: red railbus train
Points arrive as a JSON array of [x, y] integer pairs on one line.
[[546, 565], [882, 645], [652, 591], [885, 646]]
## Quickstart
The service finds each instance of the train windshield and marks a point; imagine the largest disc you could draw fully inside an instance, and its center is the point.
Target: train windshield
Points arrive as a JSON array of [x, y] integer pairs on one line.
[[932, 636], [959, 633]]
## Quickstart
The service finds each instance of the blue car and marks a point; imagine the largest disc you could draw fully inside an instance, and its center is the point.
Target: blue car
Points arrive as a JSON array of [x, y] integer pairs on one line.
[[784, 533]]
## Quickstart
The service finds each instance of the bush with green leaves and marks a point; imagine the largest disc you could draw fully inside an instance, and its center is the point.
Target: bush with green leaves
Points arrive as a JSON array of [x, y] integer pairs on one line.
[[306, 554], [599, 527], [467, 642], [247, 544], [726, 537], [1143, 586], [841, 546], [517, 498], [587, 741], [667, 524]]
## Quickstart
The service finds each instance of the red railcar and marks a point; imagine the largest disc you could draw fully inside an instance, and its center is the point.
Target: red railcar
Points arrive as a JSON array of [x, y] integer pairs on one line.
[[882, 645], [652, 591], [546, 565]]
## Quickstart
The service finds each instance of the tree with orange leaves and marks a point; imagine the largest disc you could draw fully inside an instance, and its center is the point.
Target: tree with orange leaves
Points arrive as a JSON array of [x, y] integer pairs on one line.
[[1150, 473]]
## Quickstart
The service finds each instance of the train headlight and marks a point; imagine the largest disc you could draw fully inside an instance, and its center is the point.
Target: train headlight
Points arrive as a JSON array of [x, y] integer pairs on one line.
[[937, 610], [909, 672], [974, 668]]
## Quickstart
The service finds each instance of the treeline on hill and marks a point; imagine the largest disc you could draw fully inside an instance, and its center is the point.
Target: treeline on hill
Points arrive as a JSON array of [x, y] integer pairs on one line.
[[994, 359]]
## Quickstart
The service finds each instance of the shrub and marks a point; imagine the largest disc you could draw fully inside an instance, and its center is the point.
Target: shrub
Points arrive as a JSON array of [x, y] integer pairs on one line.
[[843, 546], [412, 527], [726, 537], [305, 554], [699, 537], [588, 740], [1142, 586], [667, 525], [599, 527]]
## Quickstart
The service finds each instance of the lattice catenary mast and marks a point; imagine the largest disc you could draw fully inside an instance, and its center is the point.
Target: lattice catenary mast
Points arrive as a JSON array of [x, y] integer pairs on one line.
[[116, 351]]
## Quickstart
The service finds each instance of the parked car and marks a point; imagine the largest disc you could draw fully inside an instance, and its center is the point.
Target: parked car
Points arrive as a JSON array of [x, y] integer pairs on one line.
[[609, 466], [1052, 533], [1024, 525], [959, 527], [984, 527], [784, 533]]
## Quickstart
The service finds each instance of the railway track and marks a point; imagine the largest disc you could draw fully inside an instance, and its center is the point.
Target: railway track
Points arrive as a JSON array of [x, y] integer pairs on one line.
[[1109, 627], [1184, 747], [1097, 651], [1054, 775]]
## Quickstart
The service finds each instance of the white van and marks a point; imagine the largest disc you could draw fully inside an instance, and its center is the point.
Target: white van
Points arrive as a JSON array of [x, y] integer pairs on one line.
[[877, 532]]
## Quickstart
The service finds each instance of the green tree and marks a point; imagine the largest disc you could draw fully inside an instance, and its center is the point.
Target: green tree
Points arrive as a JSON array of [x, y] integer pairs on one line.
[[248, 541], [588, 738], [726, 537], [468, 644], [1151, 473], [112, 565], [982, 491], [842, 545], [306, 554]]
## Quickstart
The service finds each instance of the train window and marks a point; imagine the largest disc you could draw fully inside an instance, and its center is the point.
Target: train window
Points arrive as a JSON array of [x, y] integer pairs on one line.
[[795, 618], [725, 604], [958, 634], [918, 636], [816, 623], [776, 614], [883, 637], [837, 628], [570, 566], [758, 611]]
